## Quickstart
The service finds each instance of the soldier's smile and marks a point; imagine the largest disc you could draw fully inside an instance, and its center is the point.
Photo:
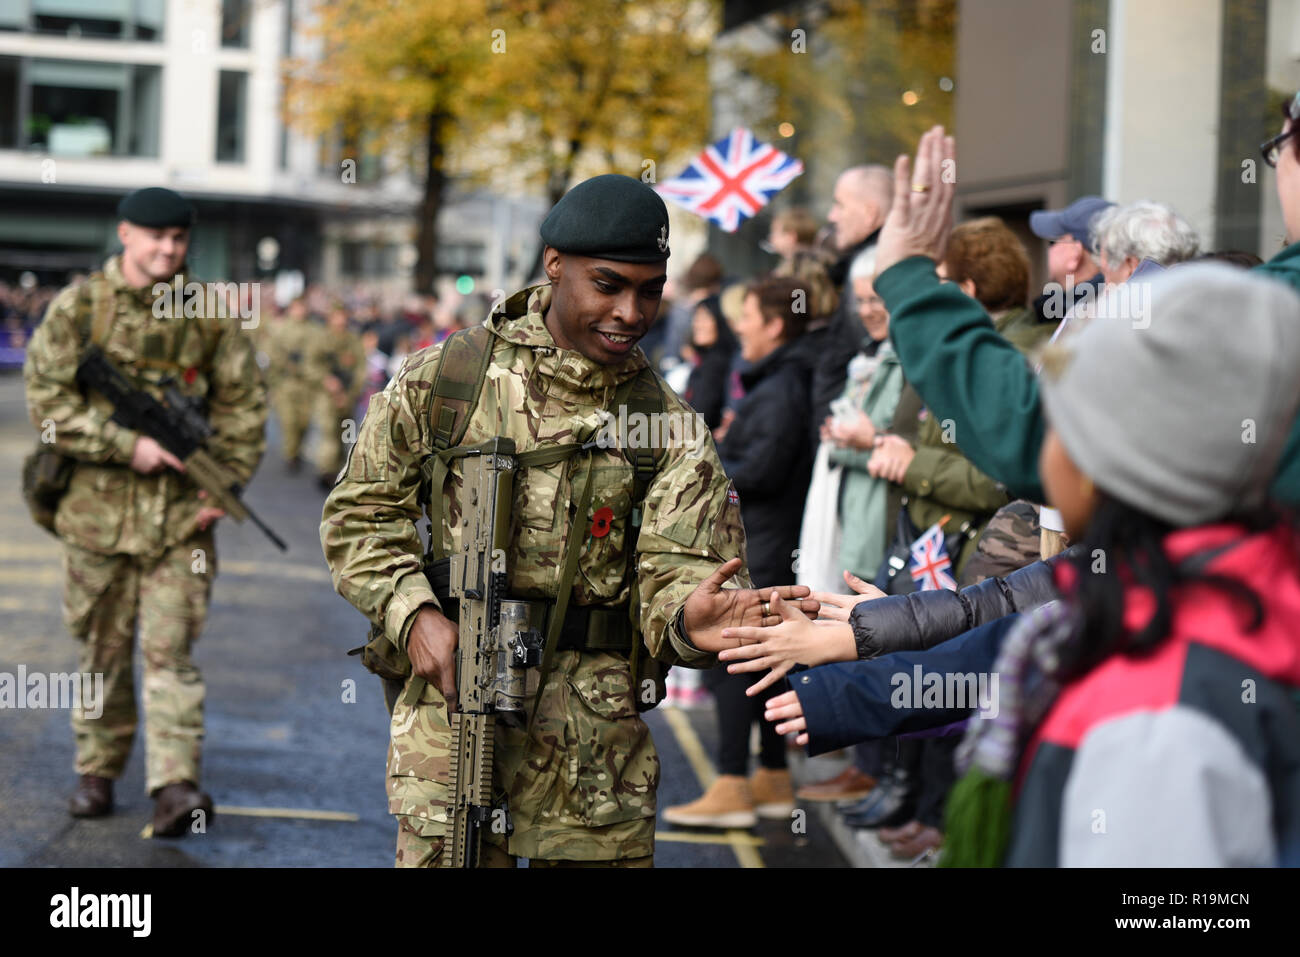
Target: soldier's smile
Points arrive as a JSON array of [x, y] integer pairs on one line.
[[601, 307]]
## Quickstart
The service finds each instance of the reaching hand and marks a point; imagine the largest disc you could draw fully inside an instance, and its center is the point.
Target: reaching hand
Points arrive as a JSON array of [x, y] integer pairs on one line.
[[711, 608], [838, 607], [787, 709], [795, 641], [920, 219]]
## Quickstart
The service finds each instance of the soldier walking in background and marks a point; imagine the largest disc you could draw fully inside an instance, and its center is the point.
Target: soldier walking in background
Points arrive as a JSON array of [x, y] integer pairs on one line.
[[293, 343], [339, 364], [138, 540]]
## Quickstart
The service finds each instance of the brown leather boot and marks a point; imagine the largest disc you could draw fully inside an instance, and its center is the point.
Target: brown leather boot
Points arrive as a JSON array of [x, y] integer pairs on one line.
[[93, 797], [174, 807]]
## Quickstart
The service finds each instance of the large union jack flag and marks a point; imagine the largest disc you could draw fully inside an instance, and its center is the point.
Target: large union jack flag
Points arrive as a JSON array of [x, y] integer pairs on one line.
[[930, 565], [732, 179]]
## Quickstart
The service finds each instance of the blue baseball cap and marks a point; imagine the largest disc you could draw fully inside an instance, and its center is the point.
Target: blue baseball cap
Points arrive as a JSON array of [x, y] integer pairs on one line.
[[1076, 219]]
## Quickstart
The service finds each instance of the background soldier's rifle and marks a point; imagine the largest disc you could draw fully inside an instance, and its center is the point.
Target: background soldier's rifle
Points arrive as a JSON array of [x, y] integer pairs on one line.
[[176, 424]]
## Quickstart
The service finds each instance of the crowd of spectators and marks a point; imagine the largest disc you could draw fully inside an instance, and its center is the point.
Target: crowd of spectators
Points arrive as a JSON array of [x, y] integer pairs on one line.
[[1067, 513]]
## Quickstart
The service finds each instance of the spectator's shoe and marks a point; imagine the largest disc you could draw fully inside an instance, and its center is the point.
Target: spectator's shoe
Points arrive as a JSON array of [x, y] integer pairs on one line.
[[174, 807], [892, 835], [895, 804], [93, 797], [727, 803], [773, 794], [849, 785], [927, 839]]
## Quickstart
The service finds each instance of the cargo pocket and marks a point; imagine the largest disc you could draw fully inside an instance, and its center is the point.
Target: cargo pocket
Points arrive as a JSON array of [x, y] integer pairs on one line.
[[614, 767], [602, 562], [88, 576], [92, 510], [419, 764]]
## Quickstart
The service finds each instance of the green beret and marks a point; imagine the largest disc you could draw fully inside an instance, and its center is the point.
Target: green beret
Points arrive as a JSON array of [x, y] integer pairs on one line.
[[156, 208], [610, 217]]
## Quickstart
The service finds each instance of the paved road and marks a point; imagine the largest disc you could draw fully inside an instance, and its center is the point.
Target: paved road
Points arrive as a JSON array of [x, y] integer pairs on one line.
[[296, 730]]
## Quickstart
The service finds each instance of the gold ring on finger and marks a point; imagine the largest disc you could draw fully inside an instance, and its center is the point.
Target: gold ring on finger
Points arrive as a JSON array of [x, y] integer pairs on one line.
[[920, 188], [767, 609]]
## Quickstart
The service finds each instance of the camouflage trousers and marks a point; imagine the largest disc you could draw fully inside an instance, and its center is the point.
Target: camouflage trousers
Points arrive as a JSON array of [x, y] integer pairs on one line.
[[293, 407], [579, 784], [330, 422], [105, 597]]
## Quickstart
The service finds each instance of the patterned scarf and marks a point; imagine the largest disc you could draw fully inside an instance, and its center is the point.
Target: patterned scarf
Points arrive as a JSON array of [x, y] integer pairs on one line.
[[979, 811]]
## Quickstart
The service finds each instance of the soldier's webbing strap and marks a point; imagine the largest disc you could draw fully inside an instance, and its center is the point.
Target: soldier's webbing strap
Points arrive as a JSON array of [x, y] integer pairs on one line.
[[567, 572], [462, 367]]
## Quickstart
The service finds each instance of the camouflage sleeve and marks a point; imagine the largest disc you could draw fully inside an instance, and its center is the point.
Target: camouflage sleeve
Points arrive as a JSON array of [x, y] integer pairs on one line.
[[369, 529], [80, 429], [237, 404], [691, 526]]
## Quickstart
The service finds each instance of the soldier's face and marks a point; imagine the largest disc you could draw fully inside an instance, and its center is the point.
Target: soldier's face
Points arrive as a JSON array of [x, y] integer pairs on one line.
[[599, 307], [155, 254]]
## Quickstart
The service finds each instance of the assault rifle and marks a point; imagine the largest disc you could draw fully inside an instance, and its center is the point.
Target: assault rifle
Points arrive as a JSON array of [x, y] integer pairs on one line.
[[175, 423], [499, 640]]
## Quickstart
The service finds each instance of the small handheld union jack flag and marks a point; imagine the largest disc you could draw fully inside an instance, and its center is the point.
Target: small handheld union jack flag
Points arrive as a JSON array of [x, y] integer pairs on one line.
[[732, 179], [930, 565]]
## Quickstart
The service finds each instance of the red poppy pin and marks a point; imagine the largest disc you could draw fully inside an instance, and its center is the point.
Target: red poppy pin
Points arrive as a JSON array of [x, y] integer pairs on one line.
[[600, 521], [190, 375]]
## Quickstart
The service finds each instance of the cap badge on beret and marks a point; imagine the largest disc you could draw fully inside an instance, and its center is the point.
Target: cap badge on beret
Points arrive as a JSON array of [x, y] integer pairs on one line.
[[663, 238]]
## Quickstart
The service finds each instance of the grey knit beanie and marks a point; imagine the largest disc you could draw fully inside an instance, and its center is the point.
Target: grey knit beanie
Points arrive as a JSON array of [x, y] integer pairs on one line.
[[1181, 407]]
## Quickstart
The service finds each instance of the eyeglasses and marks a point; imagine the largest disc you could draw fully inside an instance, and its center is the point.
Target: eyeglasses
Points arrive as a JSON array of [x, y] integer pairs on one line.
[[1272, 149]]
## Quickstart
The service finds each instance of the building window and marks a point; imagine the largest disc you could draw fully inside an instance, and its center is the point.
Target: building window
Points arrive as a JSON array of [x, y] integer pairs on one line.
[[235, 16], [232, 98], [462, 258], [93, 19], [76, 108], [367, 260]]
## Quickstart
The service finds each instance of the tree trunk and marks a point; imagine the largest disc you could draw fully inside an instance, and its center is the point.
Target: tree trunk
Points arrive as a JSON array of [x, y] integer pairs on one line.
[[435, 182]]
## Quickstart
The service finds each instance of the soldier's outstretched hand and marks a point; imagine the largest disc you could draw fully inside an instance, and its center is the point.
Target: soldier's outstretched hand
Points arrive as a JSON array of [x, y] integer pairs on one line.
[[711, 607]]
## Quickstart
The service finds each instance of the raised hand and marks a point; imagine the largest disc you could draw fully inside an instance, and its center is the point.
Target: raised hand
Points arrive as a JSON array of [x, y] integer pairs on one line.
[[711, 608], [920, 219]]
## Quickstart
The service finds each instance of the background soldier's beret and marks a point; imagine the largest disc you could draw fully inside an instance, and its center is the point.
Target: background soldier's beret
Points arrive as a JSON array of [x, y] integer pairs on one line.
[[610, 217], [156, 207]]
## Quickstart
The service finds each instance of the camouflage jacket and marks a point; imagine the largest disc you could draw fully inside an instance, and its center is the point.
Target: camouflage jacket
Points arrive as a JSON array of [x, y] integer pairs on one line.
[[108, 507], [582, 784], [291, 348], [341, 355]]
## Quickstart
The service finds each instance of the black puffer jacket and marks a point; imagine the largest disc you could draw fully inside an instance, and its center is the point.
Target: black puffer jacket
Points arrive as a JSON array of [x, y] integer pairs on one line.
[[768, 453], [924, 619]]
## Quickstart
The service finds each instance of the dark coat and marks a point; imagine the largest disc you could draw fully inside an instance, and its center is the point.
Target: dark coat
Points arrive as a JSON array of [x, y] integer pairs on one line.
[[706, 389], [768, 454]]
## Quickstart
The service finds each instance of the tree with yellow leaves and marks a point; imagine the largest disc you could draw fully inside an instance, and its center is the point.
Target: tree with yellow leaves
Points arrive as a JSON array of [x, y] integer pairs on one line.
[[516, 93]]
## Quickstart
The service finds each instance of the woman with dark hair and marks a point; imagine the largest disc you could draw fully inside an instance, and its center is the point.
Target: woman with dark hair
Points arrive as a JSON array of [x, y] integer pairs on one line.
[[714, 346], [1148, 716]]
